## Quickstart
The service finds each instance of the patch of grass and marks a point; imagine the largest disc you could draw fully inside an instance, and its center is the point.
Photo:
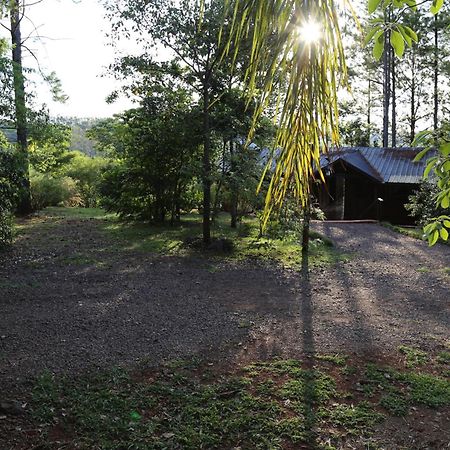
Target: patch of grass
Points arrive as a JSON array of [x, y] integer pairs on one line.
[[427, 389], [166, 239], [284, 404], [338, 360], [354, 419], [395, 403], [414, 356], [443, 357]]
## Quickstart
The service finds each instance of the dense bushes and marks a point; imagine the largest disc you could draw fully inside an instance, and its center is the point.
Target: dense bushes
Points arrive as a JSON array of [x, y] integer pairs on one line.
[[48, 190], [74, 184], [9, 191], [422, 204]]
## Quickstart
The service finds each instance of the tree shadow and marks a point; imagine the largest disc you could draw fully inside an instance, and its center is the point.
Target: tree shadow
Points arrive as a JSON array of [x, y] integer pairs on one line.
[[309, 380]]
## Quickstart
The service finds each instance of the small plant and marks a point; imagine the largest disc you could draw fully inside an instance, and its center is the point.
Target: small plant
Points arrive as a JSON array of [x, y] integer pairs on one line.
[[414, 356]]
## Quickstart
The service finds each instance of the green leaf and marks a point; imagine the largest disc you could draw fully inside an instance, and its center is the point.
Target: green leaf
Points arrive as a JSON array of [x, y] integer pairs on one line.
[[372, 33], [446, 223], [445, 202], [432, 239], [445, 149], [378, 47], [436, 6], [398, 43], [421, 154], [411, 33], [373, 5], [405, 35], [444, 234]]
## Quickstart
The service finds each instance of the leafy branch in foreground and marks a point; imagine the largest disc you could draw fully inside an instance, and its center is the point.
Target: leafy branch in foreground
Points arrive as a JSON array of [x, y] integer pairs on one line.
[[439, 166]]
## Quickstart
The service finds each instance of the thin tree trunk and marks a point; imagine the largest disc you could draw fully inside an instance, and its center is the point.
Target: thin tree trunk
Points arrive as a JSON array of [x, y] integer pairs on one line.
[[386, 85], [220, 183], [412, 123], [234, 193], [394, 101], [369, 112], [436, 76], [206, 165], [20, 107], [305, 230]]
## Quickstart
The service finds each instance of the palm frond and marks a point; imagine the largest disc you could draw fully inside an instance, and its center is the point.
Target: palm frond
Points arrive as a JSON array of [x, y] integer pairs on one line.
[[311, 73]]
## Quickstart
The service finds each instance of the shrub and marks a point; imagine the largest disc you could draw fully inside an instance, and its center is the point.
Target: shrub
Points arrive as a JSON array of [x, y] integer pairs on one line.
[[47, 190], [10, 177], [86, 171], [422, 204]]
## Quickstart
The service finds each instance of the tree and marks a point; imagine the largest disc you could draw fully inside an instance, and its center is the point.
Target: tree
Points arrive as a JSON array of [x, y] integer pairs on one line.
[[155, 160], [192, 35], [15, 11]]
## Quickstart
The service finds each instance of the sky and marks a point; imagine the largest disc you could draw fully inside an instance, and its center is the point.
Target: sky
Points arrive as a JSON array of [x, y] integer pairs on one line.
[[74, 45]]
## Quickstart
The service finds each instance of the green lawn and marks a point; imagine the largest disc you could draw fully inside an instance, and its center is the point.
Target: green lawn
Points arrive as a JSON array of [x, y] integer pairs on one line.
[[173, 240]]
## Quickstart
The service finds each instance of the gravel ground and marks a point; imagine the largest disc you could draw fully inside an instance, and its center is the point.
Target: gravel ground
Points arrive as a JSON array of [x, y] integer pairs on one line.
[[64, 313]]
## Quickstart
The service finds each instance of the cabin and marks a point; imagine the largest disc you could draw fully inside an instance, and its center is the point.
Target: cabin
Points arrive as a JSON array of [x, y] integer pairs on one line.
[[369, 183]]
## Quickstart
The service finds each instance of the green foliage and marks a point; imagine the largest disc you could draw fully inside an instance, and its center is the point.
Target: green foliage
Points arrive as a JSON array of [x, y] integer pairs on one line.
[[49, 144], [439, 165], [422, 204], [48, 190], [10, 186], [86, 171], [157, 159]]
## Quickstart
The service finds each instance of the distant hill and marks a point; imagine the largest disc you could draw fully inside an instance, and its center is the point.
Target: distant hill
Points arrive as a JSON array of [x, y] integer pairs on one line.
[[79, 127]]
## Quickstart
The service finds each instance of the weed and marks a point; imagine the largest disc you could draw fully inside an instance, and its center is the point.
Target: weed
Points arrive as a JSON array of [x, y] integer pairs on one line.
[[414, 356]]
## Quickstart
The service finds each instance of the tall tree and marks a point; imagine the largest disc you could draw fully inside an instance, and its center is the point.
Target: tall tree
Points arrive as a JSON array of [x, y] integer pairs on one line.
[[192, 35]]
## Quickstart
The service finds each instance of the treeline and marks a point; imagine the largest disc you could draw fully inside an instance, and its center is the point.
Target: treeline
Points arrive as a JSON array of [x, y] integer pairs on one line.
[[392, 99]]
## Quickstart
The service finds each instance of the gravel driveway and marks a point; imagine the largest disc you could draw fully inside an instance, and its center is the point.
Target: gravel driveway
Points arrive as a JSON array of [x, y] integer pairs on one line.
[[62, 314]]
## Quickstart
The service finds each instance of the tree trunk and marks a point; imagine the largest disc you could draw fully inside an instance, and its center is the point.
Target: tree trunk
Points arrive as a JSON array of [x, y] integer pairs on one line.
[[20, 107], [436, 76], [206, 176], [305, 230], [394, 101], [234, 193], [386, 85], [412, 122]]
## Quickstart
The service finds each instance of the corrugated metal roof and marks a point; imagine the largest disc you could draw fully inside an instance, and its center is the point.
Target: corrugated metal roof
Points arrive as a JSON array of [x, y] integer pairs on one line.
[[10, 134], [387, 165]]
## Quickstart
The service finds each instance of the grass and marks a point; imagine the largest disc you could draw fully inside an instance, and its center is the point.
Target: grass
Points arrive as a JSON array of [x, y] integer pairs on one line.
[[168, 239], [272, 404]]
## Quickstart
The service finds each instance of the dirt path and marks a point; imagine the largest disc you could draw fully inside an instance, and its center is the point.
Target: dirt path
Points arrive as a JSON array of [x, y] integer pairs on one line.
[[71, 301]]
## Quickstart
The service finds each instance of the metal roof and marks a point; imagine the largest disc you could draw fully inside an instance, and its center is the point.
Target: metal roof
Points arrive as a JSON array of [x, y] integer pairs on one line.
[[386, 165], [10, 134]]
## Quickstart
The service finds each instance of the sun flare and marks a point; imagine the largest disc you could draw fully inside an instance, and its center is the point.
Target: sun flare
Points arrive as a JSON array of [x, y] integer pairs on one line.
[[310, 31]]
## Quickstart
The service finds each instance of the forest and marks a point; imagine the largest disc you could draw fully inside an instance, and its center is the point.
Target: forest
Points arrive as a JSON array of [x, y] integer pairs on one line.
[[254, 254]]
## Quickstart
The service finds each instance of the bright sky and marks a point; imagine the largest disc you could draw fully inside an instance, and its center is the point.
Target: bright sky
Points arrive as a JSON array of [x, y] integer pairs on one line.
[[78, 52]]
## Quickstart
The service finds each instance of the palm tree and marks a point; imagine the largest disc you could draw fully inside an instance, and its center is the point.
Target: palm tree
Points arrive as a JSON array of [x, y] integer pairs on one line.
[[297, 42]]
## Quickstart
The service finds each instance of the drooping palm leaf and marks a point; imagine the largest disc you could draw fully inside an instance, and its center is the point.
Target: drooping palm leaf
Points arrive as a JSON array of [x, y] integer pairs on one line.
[[311, 73]]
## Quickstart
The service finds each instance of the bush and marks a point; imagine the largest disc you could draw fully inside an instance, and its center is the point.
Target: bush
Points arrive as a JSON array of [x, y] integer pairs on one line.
[[422, 204], [10, 177], [53, 191], [86, 171]]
